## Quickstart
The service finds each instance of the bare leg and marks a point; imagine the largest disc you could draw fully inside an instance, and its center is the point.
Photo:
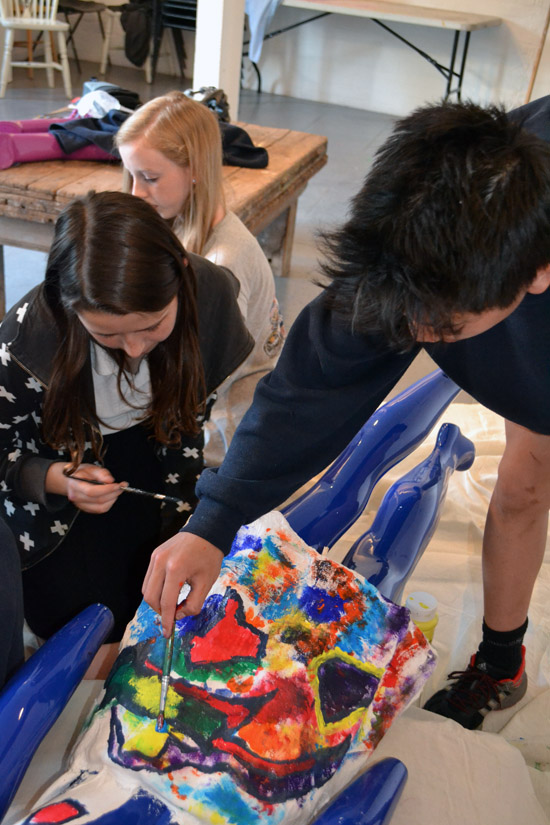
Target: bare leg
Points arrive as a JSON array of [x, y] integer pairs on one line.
[[516, 528]]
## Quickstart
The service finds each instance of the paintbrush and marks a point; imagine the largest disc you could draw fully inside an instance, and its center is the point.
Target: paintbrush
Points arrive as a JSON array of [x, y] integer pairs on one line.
[[136, 490], [167, 663], [165, 681]]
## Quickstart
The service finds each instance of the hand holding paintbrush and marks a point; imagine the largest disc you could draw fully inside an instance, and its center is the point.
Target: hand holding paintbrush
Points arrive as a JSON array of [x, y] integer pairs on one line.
[[94, 501], [167, 664]]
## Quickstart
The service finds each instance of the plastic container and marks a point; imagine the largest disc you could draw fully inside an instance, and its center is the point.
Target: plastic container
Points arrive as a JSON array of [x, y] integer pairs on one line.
[[423, 609]]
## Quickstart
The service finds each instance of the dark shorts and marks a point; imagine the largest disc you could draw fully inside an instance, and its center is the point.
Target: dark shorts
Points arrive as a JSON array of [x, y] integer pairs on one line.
[[11, 606], [103, 557]]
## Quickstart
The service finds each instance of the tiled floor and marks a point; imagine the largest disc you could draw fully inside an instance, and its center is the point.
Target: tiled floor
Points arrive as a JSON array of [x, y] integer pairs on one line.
[[353, 137]]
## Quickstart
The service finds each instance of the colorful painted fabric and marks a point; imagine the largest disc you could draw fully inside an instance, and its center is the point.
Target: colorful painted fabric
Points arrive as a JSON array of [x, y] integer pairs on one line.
[[280, 690]]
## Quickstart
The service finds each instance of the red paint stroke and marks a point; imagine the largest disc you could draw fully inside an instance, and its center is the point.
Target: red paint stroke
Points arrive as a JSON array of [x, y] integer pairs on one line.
[[276, 768], [226, 640], [58, 812]]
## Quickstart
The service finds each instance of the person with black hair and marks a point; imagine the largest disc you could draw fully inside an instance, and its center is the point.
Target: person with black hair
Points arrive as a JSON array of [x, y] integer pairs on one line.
[[447, 247]]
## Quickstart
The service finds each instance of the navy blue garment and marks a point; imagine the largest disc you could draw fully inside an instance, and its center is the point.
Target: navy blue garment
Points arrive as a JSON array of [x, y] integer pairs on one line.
[[84, 131], [238, 149]]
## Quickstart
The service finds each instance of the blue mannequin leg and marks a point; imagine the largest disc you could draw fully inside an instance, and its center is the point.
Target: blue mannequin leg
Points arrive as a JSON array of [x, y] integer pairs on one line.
[[371, 799], [324, 513], [387, 554], [34, 697]]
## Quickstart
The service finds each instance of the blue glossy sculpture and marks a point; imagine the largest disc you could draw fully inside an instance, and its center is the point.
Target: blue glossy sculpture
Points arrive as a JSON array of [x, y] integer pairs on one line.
[[388, 552], [371, 799], [324, 513], [35, 696], [386, 555]]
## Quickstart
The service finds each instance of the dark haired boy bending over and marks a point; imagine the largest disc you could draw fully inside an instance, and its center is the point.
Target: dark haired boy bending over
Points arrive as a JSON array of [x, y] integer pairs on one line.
[[447, 248]]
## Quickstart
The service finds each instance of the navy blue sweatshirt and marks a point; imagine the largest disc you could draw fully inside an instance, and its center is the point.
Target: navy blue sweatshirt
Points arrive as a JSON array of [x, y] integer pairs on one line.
[[326, 384]]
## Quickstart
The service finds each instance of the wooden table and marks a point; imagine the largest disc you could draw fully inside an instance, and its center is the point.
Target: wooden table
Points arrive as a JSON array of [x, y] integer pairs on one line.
[[459, 22], [33, 194]]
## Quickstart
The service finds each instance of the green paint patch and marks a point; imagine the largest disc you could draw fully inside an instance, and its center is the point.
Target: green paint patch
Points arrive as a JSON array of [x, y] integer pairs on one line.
[[222, 673]]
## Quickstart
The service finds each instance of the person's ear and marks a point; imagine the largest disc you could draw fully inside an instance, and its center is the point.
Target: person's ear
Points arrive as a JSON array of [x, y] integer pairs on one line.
[[541, 281]]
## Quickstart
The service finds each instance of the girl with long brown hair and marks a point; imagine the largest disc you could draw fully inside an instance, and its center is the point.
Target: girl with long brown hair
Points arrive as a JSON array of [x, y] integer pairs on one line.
[[106, 372]]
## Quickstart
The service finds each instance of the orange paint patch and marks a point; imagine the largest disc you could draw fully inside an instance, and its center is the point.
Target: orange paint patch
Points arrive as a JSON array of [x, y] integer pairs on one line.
[[272, 581], [253, 619], [240, 685]]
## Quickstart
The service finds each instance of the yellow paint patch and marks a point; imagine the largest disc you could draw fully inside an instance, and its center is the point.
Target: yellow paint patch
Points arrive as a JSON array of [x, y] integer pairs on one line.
[[141, 736], [205, 815]]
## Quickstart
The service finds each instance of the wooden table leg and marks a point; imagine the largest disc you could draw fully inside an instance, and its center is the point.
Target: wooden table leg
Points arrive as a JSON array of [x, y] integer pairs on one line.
[[29, 53], [2, 284], [277, 239]]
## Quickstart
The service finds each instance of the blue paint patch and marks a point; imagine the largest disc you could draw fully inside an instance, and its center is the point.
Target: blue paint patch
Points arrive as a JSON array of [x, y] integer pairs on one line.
[[248, 541], [141, 809], [229, 801], [209, 615], [320, 606]]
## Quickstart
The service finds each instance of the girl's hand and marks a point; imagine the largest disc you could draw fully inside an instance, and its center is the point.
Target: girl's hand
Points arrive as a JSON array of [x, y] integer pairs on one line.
[[183, 558], [96, 497]]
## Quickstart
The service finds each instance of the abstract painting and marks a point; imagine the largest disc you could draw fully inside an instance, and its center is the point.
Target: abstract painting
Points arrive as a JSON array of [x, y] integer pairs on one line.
[[279, 692]]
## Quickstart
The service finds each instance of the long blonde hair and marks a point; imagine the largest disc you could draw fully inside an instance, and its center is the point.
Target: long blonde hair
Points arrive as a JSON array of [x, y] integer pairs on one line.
[[188, 134]]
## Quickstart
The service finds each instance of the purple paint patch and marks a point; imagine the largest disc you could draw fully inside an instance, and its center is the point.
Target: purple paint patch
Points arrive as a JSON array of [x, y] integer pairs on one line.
[[344, 688]]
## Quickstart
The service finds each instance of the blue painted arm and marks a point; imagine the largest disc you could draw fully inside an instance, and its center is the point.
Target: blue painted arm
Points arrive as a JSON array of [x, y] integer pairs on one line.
[[34, 697], [324, 513], [387, 554], [371, 799]]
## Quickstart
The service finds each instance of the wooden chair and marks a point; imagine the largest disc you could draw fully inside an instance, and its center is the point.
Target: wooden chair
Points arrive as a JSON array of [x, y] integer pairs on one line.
[[34, 16]]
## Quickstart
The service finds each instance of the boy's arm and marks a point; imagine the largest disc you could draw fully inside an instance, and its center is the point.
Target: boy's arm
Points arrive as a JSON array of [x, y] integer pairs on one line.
[[326, 384]]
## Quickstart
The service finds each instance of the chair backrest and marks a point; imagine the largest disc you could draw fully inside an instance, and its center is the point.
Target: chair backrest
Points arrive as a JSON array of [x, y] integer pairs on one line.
[[179, 14], [45, 10]]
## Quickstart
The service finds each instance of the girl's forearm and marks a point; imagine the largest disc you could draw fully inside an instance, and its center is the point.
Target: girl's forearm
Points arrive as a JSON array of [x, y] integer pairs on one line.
[[56, 482]]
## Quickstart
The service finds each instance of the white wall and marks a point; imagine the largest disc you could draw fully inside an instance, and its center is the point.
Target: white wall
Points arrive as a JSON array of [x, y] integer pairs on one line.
[[354, 62], [346, 60]]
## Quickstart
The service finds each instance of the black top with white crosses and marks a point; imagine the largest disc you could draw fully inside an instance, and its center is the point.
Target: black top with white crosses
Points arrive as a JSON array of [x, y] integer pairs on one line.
[[28, 341]]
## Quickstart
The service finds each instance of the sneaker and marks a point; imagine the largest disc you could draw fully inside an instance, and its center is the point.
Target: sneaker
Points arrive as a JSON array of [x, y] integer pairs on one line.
[[473, 693]]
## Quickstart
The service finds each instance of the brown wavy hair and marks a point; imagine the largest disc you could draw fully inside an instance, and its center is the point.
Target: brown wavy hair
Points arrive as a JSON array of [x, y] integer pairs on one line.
[[113, 253]]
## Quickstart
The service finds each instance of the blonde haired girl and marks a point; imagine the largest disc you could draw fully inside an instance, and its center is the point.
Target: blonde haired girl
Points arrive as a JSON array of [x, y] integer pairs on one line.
[[172, 148]]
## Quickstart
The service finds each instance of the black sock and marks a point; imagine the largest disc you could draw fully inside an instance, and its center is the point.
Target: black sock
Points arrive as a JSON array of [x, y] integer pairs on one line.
[[502, 651]]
